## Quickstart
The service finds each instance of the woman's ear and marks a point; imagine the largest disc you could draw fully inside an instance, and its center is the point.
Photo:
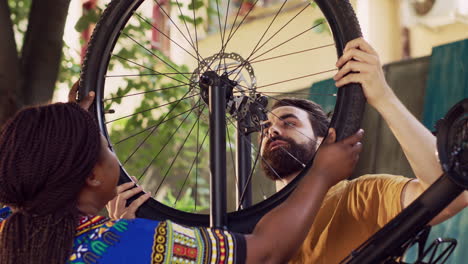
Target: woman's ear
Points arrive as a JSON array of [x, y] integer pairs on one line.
[[92, 180]]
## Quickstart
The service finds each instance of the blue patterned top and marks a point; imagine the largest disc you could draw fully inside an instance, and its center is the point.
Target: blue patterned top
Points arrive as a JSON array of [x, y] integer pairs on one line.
[[101, 240]]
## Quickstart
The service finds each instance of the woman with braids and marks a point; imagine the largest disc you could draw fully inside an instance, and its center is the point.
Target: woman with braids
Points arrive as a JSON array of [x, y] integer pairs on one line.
[[57, 173]]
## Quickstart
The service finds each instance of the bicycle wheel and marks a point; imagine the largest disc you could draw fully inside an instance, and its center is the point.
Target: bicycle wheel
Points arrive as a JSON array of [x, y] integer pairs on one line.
[[153, 110]]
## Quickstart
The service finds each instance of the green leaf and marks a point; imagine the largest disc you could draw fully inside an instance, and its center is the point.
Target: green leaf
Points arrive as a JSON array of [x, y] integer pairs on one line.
[[195, 5], [90, 17], [320, 26], [190, 20], [313, 3]]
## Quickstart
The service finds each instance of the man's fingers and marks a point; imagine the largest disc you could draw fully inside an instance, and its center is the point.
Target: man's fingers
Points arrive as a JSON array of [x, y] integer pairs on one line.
[[73, 92], [361, 44], [133, 207], [353, 139], [355, 54], [352, 66], [350, 78]]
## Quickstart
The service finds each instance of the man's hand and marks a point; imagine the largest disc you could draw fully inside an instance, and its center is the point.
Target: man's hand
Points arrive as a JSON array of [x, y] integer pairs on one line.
[[336, 161], [117, 208], [86, 102], [360, 63]]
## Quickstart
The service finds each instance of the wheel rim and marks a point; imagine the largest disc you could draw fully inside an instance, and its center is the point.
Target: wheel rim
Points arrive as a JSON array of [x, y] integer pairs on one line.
[[195, 105]]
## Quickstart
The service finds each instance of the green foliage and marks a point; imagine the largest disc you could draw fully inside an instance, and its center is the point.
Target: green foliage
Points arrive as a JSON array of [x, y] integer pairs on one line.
[[19, 16], [165, 130], [195, 5], [320, 26], [186, 202], [89, 18], [190, 20]]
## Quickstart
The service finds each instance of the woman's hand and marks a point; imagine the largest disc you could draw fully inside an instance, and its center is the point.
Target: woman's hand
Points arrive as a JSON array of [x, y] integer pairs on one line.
[[117, 208], [335, 161], [86, 102]]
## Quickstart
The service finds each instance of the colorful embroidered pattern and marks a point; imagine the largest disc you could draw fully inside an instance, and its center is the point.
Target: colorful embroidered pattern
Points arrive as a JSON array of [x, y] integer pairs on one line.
[[4, 213], [95, 238], [89, 222], [174, 243], [100, 240]]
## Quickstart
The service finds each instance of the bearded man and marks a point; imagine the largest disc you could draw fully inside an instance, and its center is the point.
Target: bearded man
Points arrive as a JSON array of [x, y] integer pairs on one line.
[[352, 210]]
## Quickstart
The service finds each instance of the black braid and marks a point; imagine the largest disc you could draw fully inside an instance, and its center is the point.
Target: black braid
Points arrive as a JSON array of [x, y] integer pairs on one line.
[[46, 153]]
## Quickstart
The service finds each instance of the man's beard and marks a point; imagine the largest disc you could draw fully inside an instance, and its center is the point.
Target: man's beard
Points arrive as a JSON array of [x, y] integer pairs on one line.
[[278, 163]]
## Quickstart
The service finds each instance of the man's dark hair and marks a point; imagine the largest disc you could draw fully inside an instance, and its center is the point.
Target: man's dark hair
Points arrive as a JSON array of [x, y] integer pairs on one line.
[[46, 154], [317, 117]]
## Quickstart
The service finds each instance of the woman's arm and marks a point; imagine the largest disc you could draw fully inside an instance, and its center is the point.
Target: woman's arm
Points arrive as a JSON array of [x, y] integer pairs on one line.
[[280, 233]]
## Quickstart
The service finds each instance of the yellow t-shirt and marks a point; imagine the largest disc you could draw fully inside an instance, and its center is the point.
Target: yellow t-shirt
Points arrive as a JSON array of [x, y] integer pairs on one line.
[[351, 212]]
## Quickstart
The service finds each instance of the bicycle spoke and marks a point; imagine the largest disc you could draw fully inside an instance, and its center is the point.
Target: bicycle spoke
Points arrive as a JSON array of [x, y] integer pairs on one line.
[[297, 130], [277, 32], [152, 53], [297, 78], [224, 31], [165, 145], [196, 166], [223, 47], [232, 153], [152, 126], [148, 74], [288, 40], [292, 53], [220, 32], [242, 21], [196, 35], [159, 106], [191, 167], [173, 23], [235, 20], [298, 93], [154, 129], [165, 74], [145, 92], [177, 154], [249, 179], [243, 137], [185, 23], [149, 23], [261, 38], [287, 152]]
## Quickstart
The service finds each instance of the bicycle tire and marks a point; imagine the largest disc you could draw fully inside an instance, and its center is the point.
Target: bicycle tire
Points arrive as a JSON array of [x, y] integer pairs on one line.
[[346, 119]]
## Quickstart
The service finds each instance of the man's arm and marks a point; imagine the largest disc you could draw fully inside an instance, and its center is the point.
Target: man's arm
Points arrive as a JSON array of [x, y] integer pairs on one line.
[[360, 64]]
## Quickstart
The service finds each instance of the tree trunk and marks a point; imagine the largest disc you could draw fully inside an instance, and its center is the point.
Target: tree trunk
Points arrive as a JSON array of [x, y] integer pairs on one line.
[[42, 50], [9, 65]]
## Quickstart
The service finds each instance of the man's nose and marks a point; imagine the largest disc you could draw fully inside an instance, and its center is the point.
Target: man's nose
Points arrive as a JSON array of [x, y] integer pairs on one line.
[[273, 131]]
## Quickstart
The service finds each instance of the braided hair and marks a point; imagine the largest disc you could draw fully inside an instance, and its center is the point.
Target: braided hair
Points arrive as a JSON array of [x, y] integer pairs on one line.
[[46, 154]]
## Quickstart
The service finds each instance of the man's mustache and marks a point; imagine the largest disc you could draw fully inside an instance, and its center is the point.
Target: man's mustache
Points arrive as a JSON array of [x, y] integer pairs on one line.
[[271, 140]]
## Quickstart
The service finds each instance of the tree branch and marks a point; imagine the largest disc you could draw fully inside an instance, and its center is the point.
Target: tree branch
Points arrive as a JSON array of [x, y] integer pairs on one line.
[[9, 65], [42, 50]]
